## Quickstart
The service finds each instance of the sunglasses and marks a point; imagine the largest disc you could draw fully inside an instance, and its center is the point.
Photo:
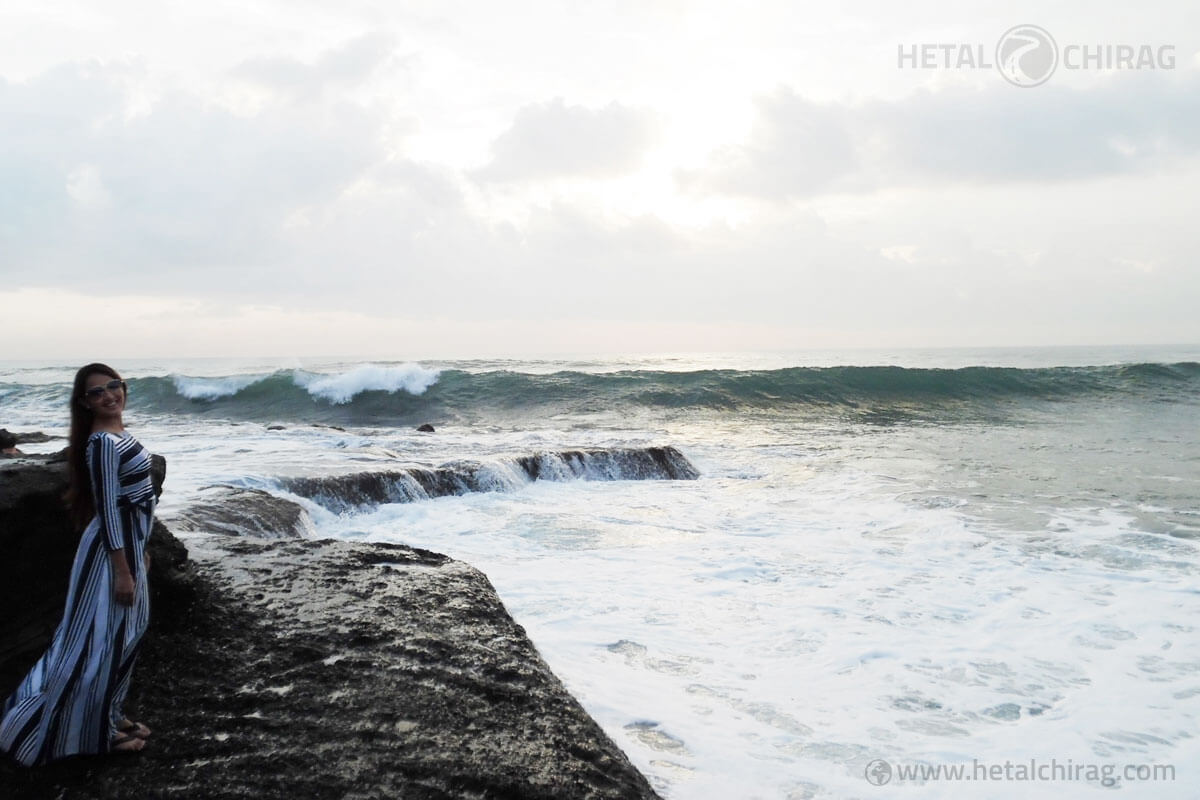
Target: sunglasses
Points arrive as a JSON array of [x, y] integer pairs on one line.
[[112, 386]]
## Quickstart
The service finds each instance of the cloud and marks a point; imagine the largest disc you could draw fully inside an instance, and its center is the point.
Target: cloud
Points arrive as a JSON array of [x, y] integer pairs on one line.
[[798, 149], [306, 201], [350, 63], [1132, 123], [44, 122], [550, 140], [181, 185]]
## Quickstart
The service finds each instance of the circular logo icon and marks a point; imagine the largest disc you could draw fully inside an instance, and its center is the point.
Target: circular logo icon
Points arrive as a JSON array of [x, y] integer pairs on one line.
[[878, 772], [1026, 55]]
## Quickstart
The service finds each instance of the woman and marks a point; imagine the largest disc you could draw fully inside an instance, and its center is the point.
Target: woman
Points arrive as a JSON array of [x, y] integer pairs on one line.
[[70, 702]]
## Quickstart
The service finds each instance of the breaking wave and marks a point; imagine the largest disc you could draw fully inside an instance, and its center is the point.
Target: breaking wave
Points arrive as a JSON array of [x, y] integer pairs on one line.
[[411, 393]]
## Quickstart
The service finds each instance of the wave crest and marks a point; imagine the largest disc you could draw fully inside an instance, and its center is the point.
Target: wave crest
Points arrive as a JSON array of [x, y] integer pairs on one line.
[[213, 388], [341, 388]]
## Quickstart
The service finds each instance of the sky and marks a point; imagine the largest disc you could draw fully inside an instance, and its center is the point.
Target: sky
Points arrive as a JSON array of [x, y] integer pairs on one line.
[[453, 179]]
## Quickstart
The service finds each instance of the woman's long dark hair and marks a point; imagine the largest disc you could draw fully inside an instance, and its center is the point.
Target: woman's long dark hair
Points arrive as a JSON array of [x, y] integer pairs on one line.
[[79, 483]]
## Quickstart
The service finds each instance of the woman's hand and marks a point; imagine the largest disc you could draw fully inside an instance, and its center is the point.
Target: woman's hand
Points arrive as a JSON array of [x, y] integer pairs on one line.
[[123, 590], [123, 584]]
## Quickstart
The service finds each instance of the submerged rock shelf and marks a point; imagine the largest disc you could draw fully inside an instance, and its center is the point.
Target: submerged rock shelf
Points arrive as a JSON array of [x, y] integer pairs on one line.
[[413, 484]]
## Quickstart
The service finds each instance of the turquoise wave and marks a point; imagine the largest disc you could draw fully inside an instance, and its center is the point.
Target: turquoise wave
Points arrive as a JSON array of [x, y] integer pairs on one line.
[[882, 393]]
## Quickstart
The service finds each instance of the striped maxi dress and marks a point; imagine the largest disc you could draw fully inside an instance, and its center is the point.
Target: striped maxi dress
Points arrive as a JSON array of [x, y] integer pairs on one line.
[[70, 702]]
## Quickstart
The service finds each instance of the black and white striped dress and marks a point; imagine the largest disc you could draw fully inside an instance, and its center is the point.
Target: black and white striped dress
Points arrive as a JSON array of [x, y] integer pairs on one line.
[[70, 702]]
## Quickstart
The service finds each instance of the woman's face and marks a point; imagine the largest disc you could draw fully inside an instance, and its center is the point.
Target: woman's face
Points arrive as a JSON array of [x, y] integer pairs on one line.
[[106, 403]]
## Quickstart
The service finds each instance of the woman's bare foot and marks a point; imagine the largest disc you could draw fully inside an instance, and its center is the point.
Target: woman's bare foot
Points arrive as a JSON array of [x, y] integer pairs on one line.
[[133, 728], [126, 743]]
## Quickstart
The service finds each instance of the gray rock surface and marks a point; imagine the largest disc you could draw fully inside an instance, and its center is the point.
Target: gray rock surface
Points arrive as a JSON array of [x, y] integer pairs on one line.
[[407, 484], [301, 668], [237, 511], [29, 437]]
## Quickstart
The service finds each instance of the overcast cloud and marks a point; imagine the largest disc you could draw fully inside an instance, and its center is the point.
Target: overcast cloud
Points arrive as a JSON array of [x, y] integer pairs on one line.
[[409, 172], [552, 139]]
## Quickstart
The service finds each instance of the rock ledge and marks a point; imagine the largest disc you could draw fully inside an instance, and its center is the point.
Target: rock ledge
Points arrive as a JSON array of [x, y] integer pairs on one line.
[[301, 668]]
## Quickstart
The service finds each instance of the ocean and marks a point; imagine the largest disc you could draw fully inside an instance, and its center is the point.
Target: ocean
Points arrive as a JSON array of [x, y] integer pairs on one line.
[[934, 573]]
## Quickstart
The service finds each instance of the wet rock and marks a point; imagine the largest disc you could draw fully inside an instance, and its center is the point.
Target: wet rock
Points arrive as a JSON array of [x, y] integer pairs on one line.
[[28, 437], [39, 547], [298, 668], [610, 463], [328, 669], [426, 428], [341, 493], [236, 511]]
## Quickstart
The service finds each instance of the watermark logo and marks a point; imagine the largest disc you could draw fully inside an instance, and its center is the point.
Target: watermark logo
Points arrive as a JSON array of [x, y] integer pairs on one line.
[[878, 772], [1026, 55]]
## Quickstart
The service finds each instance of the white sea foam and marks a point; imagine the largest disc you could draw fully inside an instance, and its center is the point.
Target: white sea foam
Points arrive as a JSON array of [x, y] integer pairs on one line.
[[213, 388], [341, 388], [771, 637]]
